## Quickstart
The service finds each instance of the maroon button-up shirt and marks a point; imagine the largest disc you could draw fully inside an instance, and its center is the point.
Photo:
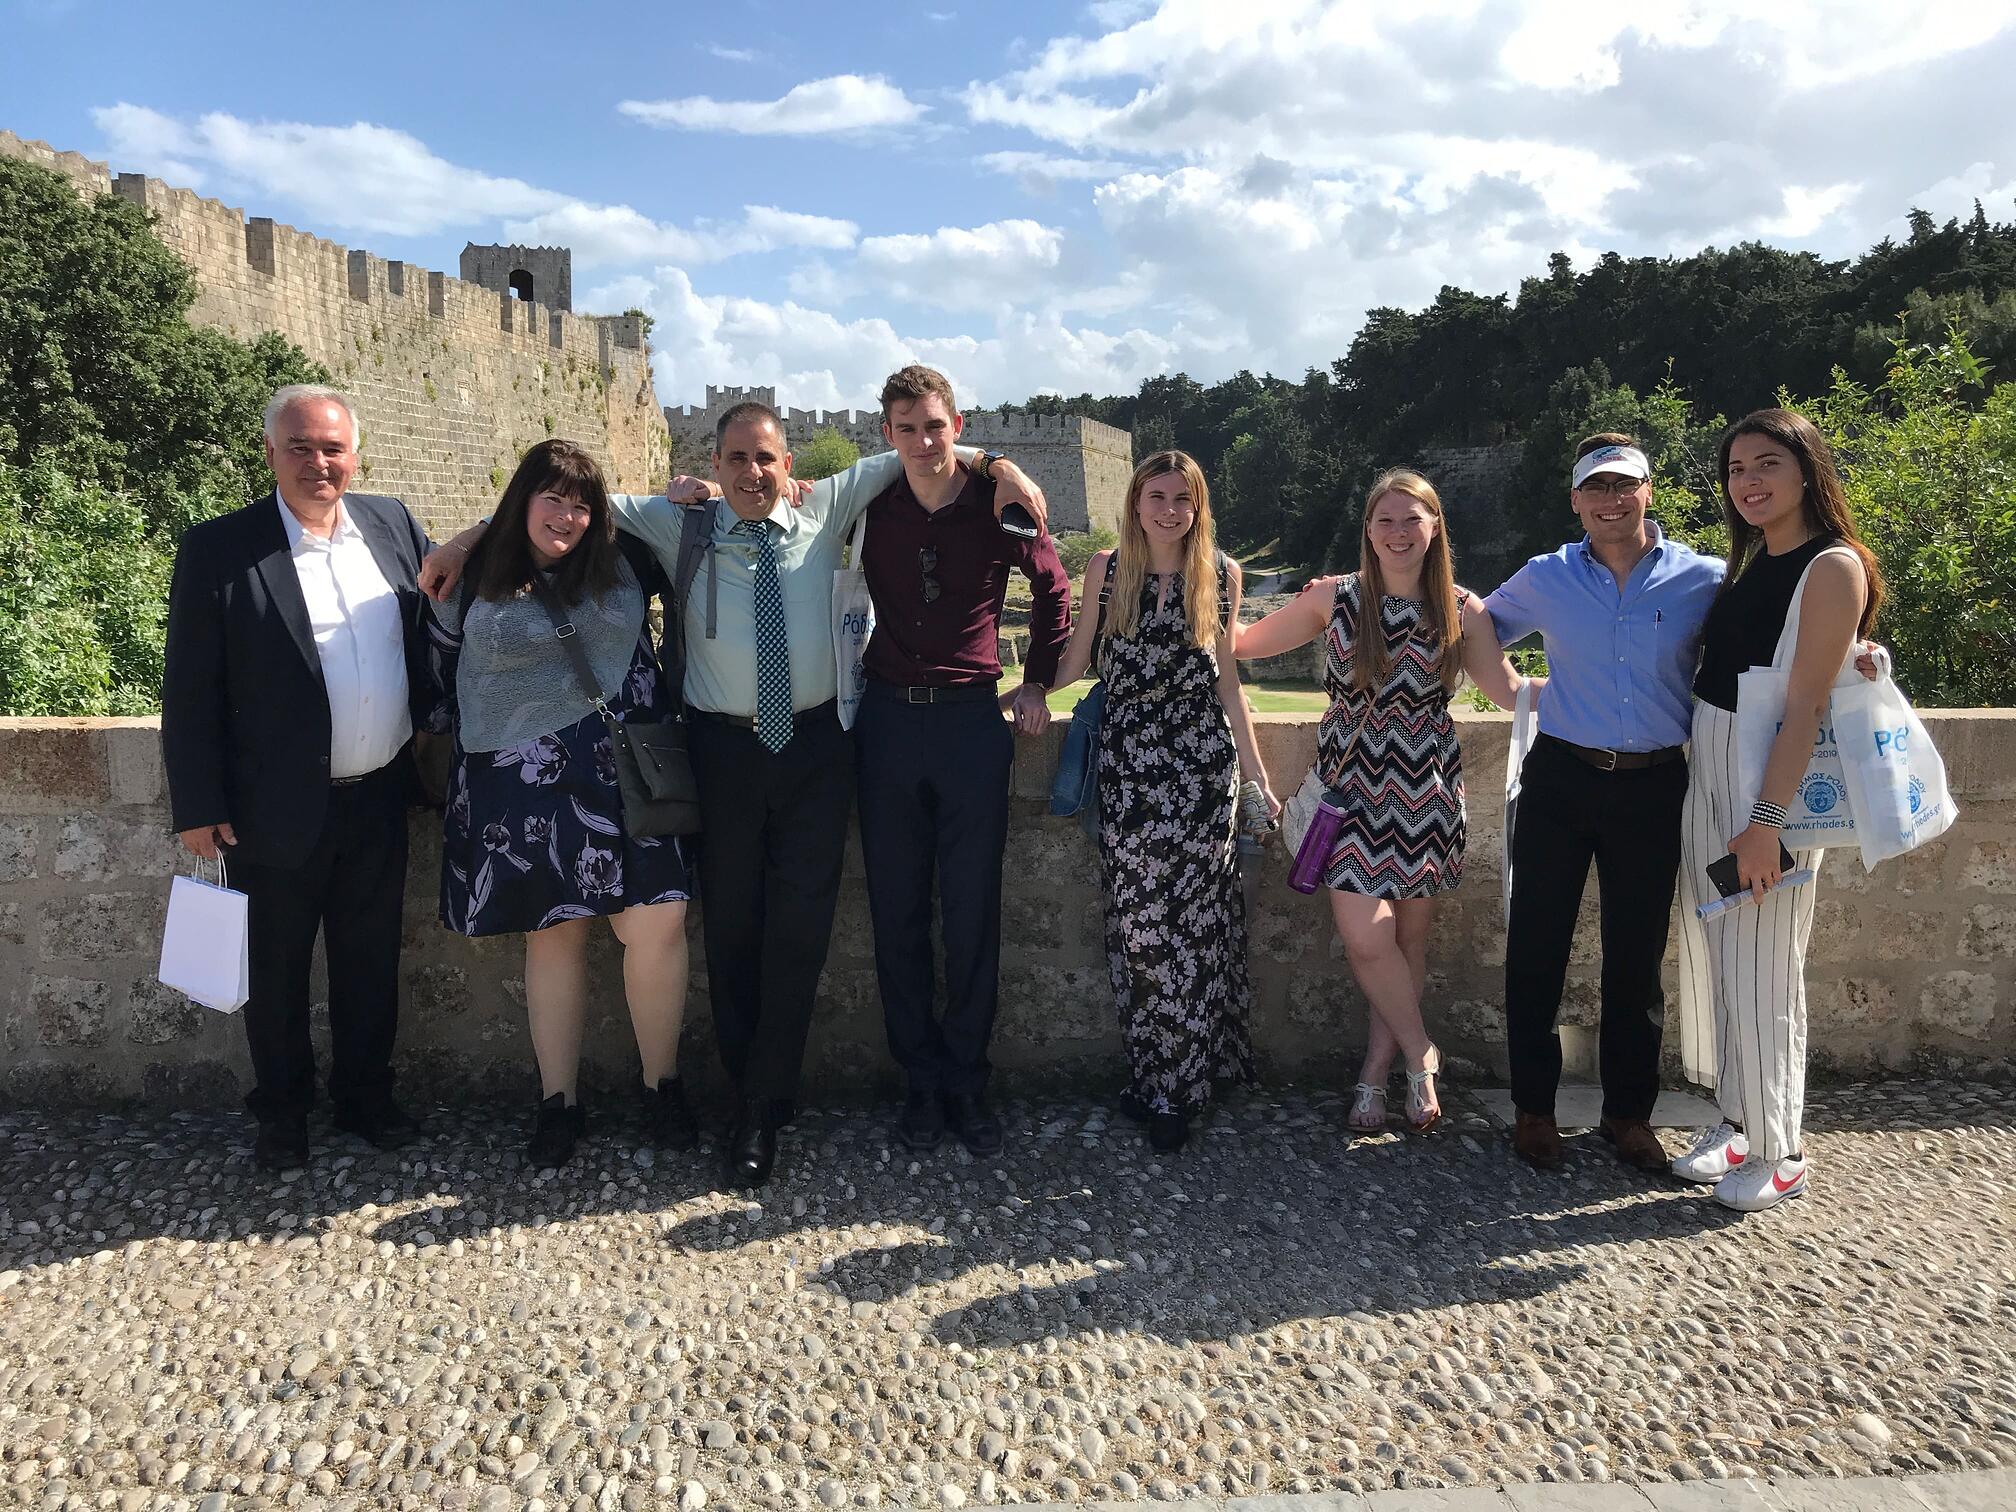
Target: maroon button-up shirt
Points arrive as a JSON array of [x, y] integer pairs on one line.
[[954, 638]]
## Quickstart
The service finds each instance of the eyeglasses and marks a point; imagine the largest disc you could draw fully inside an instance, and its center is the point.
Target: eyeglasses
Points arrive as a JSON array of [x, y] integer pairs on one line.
[[927, 563], [1604, 485]]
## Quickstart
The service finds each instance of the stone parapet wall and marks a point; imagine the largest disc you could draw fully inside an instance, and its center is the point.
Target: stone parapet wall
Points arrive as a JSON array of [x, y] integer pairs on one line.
[[452, 381], [1913, 968]]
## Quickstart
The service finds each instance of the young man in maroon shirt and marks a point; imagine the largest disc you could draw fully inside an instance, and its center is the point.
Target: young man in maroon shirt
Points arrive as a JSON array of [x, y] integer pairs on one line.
[[933, 751]]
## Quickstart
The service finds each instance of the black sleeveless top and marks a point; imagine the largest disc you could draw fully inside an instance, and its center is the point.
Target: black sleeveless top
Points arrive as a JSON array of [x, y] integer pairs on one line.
[[1748, 617]]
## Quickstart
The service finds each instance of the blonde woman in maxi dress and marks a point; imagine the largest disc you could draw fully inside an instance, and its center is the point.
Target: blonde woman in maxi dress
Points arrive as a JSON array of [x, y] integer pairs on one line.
[[1398, 635], [1794, 559], [1157, 616]]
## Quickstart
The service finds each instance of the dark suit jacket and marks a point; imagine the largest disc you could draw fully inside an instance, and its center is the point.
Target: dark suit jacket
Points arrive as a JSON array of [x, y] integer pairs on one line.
[[244, 714]]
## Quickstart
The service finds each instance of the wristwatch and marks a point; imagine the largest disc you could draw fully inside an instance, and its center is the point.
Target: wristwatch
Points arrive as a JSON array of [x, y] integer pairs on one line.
[[984, 463]]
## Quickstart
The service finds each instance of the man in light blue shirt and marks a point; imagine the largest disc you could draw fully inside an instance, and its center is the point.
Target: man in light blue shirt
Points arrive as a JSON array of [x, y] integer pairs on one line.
[[1620, 613]]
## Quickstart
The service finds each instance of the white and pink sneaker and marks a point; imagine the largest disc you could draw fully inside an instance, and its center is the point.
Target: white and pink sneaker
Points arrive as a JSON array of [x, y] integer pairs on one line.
[[1715, 1154], [1759, 1184]]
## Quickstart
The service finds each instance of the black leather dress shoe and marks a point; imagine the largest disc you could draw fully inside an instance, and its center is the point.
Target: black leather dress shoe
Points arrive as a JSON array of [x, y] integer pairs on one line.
[[752, 1146], [382, 1123], [282, 1144], [974, 1122], [923, 1122], [1134, 1107]]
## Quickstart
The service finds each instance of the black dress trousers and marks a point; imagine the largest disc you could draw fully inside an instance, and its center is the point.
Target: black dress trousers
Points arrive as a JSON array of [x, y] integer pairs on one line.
[[1628, 823], [774, 837], [352, 889], [933, 780]]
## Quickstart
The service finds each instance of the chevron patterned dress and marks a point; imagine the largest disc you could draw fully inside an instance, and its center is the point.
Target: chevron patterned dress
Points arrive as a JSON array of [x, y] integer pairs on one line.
[[1175, 915], [1404, 834]]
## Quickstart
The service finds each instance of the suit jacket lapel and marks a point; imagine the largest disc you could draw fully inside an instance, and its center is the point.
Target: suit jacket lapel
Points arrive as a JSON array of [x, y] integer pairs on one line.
[[276, 566], [385, 550]]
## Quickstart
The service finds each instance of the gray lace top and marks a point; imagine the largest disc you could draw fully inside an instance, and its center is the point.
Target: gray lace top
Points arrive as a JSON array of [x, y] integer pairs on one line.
[[515, 681]]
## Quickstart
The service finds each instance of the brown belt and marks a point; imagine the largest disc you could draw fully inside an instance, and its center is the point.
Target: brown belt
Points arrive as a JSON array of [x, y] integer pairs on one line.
[[1616, 761]]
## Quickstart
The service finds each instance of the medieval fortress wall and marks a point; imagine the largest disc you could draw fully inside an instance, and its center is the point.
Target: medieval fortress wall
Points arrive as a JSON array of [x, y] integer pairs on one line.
[[453, 380], [1082, 465]]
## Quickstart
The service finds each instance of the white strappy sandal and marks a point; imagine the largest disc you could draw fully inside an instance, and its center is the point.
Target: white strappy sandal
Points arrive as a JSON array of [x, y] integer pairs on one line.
[[1368, 1109], [1420, 1117]]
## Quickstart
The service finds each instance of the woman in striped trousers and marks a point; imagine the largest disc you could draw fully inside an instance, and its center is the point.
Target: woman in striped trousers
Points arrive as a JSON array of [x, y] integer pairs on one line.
[[1798, 573]]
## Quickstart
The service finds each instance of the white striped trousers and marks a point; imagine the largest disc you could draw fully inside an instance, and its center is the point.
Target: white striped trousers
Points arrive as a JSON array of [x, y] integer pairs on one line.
[[1743, 973]]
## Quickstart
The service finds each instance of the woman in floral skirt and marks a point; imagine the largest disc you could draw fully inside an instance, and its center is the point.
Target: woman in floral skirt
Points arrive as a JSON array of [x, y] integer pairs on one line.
[[534, 841], [1174, 739]]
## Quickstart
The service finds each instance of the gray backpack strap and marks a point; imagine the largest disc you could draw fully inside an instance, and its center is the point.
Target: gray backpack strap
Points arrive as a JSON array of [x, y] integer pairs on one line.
[[696, 539]]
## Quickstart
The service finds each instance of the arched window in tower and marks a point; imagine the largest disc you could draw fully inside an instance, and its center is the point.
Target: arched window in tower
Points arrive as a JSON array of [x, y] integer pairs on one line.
[[521, 284]]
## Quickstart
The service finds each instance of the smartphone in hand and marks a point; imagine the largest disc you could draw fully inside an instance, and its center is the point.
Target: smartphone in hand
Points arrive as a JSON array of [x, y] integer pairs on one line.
[[1017, 521], [1724, 875]]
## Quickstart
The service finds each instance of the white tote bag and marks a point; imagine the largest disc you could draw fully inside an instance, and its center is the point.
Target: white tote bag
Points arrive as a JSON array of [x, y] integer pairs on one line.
[[1896, 781], [853, 624], [204, 951], [1819, 813], [1525, 726]]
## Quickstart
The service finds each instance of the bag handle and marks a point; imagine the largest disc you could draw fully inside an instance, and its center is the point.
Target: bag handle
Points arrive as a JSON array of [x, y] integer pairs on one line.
[[854, 539], [1788, 638]]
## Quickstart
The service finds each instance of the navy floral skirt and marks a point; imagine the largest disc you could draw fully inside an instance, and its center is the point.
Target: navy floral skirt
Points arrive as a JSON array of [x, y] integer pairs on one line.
[[534, 832]]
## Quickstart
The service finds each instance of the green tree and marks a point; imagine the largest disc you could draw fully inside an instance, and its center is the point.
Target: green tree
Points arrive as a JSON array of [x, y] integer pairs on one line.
[[827, 453], [120, 425], [1929, 459]]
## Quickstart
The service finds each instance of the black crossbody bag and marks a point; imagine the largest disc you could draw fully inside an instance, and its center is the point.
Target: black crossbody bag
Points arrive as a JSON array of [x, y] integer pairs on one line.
[[653, 772]]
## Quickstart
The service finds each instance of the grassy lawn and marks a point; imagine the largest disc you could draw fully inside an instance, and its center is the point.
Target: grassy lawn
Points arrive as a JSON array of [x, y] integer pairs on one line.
[[1266, 698]]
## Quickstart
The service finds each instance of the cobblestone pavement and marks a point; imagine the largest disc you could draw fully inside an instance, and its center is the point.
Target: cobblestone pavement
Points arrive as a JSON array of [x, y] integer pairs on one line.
[[1280, 1309]]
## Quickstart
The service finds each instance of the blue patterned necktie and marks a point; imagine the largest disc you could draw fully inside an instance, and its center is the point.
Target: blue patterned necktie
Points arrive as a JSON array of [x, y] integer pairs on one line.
[[773, 651]]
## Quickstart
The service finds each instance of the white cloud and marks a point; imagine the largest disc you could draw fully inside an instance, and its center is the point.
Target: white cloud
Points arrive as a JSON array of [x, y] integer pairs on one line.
[[816, 359], [821, 107], [733, 54], [1041, 172], [959, 267], [371, 178]]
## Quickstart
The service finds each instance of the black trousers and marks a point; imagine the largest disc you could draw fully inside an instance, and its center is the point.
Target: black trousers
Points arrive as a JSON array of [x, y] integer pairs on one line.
[[770, 854], [933, 780], [1629, 824], [351, 889]]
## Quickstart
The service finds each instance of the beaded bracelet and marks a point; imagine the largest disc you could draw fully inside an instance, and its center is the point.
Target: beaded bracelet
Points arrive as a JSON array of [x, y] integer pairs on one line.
[[1770, 815]]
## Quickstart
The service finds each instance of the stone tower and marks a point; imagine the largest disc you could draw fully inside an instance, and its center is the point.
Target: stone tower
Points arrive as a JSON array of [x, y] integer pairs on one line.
[[544, 274]]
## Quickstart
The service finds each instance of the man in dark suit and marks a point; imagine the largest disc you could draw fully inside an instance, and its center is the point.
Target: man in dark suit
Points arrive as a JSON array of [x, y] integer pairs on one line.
[[293, 685]]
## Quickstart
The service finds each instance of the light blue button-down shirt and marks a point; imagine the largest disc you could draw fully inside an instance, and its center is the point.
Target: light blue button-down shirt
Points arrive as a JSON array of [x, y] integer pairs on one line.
[[721, 672], [1620, 663]]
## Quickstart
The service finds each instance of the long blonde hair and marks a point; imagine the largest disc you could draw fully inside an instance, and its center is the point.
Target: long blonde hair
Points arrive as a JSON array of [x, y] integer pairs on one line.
[[1440, 621], [1200, 554]]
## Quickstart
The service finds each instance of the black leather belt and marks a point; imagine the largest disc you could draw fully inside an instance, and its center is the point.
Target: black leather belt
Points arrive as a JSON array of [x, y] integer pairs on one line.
[[1616, 761], [958, 693], [745, 722]]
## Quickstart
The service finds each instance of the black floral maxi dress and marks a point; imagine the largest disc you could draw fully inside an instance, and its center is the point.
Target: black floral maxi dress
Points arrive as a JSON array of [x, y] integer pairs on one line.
[[1175, 913]]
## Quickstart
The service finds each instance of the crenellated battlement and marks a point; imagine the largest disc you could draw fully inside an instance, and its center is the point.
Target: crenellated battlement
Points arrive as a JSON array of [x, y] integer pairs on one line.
[[1083, 465], [453, 379]]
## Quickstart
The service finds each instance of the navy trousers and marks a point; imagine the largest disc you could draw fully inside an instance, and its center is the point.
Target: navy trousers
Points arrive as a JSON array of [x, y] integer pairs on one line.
[[933, 784]]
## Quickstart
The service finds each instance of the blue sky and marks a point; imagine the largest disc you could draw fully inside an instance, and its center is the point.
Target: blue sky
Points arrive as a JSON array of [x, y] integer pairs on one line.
[[1037, 196]]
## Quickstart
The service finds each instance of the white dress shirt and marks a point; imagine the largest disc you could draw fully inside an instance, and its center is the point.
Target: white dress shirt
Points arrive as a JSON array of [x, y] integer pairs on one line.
[[354, 614]]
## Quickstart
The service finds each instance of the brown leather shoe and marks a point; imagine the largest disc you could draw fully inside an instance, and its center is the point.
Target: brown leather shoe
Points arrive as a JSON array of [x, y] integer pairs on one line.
[[1637, 1145], [1537, 1141]]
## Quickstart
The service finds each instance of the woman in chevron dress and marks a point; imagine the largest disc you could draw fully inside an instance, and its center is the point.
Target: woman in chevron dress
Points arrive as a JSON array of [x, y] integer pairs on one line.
[[1398, 634]]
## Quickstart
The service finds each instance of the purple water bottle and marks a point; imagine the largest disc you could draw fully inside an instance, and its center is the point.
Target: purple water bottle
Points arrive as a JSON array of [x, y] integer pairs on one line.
[[1313, 859]]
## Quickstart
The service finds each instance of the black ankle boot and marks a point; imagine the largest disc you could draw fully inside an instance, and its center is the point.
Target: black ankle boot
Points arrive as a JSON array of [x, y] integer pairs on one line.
[[669, 1116], [1168, 1132], [554, 1131]]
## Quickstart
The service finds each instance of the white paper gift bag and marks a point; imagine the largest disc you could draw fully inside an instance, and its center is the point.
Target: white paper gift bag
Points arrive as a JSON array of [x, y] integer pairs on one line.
[[204, 950], [853, 624]]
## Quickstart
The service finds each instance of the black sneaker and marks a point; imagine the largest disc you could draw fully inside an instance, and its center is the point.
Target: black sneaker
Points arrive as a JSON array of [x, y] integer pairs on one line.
[[1168, 1132], [1134, 1107], [553, 1133], [282, 1144], [923, 1122], [670, 1117], [382, 1123], [974, 1122]]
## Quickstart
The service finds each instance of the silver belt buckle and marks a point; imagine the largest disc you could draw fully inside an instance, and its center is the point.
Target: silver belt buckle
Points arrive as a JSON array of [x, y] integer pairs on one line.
[[913, 695]]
